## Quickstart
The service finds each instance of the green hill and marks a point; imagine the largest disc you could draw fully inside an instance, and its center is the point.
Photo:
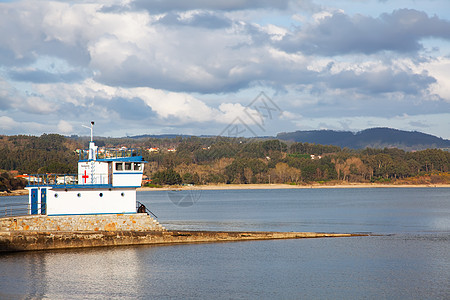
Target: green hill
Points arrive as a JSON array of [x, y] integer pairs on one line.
[[369, 138]]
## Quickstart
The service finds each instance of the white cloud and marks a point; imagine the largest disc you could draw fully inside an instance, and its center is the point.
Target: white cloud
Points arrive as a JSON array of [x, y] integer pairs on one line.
[[439, 68], [7, 123], [173, 107], [178, 106], [276, 32], [11, 126], [287, 115], [39, 105], [186, 64], [231, 111], [65, 127]]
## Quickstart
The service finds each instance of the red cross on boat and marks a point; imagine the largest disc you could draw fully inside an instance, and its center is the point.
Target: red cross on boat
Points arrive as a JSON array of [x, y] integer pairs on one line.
[[85, 176]]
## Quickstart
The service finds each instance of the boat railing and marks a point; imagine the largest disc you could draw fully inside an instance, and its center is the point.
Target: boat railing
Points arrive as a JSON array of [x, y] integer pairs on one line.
[[105, 153], [51, 179], [141, 208], [14, 209], [61, 180]]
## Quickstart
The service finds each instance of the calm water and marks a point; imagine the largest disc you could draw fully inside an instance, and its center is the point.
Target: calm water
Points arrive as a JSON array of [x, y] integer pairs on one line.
[[411, 260]]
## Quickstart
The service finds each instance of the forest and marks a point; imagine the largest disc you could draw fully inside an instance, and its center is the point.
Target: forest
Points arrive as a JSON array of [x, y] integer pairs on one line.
[[213, 160]]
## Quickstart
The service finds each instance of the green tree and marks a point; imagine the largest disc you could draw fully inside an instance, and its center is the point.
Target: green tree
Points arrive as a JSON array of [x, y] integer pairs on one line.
[[169, 177], [189, 178], [9, 182]]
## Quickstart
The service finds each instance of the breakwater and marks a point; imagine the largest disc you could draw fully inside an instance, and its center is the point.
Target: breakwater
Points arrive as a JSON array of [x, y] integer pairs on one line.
[[38, 240], [28, 233]]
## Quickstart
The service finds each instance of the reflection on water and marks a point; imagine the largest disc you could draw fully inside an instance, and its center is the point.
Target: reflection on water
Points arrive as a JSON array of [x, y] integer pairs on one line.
[[81, 273], [99, 274], [412, 263], [403, 266]]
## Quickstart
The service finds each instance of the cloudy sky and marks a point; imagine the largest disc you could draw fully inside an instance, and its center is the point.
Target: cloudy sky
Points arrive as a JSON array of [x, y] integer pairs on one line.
[[199, 66]]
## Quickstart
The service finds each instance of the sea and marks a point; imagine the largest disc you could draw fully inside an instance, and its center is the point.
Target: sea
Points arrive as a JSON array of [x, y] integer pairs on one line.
[[406, 254]]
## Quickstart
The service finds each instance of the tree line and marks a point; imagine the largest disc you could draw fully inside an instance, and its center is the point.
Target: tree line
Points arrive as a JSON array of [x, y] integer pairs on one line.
[[49, 153], [242, 161], [233, 160]]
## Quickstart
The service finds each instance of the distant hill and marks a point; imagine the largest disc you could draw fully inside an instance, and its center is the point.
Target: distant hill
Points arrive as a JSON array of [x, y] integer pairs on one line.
[[368, 138], [372, 138]]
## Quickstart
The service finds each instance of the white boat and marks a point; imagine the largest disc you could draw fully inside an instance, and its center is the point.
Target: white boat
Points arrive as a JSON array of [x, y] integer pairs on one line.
[[102, 186]]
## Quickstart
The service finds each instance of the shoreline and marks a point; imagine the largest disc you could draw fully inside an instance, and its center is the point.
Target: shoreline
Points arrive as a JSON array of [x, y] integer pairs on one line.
[[288, 186], [265, 186], [14, 193]]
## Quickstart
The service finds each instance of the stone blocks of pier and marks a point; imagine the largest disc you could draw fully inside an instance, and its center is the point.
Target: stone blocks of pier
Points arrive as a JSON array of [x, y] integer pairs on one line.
[[104, 222]]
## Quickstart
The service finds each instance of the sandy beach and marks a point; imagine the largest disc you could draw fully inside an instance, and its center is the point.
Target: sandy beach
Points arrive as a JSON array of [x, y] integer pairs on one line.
[[289, 186], [268, 187]]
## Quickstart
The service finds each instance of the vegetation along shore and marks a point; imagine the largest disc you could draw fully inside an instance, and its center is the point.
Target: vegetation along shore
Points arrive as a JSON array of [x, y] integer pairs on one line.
[[289, 186], [225, 163]]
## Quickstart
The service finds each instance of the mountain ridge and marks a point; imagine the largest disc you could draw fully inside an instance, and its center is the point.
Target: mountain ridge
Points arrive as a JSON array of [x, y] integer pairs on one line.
[[377, 137]]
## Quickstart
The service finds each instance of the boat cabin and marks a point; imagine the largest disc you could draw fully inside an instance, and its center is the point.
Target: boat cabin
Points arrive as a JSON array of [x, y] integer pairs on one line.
[[102, 186]]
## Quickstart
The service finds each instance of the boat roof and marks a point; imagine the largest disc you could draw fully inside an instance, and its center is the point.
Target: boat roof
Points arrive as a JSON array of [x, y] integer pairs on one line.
[[118, 159]]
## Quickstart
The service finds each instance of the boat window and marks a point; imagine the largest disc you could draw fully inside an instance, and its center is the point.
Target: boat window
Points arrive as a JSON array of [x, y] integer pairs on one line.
[[127, 166], [119, 166], [137, 166]]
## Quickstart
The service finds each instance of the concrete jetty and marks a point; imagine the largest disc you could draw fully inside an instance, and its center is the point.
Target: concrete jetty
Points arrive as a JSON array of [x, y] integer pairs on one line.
[[38, 240], [30, 233]]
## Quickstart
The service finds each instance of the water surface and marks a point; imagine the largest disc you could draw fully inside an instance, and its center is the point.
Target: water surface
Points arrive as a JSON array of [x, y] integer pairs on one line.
[[377, 210], [411, 260]]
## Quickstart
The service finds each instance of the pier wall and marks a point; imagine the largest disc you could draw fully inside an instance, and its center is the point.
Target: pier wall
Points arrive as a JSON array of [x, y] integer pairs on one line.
[[107, 222], [37, 232], [37, 240]]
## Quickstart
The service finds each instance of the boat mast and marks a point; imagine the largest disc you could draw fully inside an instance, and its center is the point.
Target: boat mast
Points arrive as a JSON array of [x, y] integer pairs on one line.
[[92, 147], [92, 130]]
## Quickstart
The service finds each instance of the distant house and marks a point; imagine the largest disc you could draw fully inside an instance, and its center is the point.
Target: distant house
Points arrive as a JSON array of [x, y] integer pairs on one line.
[[171, 149], [66, 180], [153, 149], [145, 180], [316, 156], [31, 178]]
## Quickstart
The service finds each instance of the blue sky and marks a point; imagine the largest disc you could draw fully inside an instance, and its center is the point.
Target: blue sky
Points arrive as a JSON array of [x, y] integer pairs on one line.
[[196, 67]]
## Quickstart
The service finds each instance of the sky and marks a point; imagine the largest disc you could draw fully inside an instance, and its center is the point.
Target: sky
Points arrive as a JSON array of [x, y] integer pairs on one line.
[[235, 67]]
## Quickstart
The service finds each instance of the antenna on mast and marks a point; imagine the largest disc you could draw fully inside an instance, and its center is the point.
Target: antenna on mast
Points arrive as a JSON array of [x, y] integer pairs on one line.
[[92, 130], [92, 147]]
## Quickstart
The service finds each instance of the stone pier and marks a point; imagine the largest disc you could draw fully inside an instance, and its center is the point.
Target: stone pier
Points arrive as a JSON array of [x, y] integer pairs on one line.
[[63, 232], [104, 222]]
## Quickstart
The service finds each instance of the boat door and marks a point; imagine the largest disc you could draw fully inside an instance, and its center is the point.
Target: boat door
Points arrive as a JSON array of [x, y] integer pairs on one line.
[[34, 201], [110, 172], [43, 201]]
